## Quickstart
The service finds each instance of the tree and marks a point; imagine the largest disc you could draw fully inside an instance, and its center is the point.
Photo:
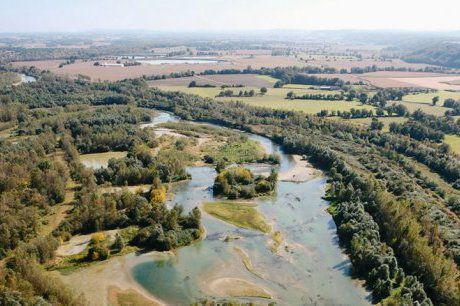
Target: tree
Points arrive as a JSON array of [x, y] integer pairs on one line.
[[192, 84], [435, 100], [263, 90], [376, 124], [119, 243]]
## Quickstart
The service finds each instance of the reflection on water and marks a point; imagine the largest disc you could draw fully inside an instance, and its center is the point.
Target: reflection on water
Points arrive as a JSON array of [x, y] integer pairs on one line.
[[161, 118], [312, 270], [27, 79], [100, 160]]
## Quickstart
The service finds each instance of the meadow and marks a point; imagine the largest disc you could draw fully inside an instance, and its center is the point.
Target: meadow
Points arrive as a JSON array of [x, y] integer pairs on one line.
[[250, 80], [427, 98], [454, 142], [276, 98]]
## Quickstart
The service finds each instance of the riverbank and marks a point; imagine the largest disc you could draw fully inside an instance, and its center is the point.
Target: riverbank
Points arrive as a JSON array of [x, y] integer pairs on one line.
[[301, 172], [110, 282]]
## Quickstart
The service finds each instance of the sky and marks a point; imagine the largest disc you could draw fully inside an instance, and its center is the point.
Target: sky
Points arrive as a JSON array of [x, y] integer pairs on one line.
[[226, 15]]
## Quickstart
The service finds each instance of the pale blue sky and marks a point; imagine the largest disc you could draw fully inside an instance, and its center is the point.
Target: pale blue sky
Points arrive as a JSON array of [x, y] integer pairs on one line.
[[220, 15]]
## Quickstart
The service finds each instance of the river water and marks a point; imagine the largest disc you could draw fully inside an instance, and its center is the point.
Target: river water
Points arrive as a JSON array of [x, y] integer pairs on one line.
[[27, 79], [311, 270]]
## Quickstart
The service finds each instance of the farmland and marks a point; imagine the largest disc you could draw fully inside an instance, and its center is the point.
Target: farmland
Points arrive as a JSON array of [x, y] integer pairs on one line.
[[276, 99], [250, 80], [112, 73], [387, 79], [183, 170], [454, 142]]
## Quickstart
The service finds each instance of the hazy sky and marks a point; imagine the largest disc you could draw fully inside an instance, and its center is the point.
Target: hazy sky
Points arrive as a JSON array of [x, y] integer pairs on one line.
[[220, 15]]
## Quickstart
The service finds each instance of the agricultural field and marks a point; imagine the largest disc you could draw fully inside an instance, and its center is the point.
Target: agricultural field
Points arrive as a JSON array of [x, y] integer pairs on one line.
[[276, 99], [454, 142], [250, 80], [113, 73], [387, 79], [427, 98], [348, 62]]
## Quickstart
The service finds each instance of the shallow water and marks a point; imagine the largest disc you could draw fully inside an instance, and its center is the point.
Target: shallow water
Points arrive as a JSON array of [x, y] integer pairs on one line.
[[313, 269], [161, 118], [27, 79], [100, 160]]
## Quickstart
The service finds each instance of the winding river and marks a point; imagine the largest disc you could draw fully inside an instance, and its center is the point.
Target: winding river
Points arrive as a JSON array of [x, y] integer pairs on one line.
[[312, 269]]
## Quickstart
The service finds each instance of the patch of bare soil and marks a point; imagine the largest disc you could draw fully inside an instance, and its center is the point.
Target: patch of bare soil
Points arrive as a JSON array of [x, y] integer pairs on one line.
[[235, 287], [301, 172], [110, 283]]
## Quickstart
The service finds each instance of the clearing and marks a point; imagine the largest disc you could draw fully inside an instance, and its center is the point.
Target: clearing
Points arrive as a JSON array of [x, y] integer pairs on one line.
[[454, 142]]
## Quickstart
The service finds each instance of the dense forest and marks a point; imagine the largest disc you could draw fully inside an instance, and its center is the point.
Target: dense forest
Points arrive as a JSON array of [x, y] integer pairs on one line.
[[399, 227], [445, 54]]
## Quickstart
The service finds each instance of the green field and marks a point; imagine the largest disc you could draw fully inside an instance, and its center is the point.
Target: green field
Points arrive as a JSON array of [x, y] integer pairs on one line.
[[454, 142], [426, 98], [267, 78], [276, 99], [425, 107], [239, 214], [386, 121]]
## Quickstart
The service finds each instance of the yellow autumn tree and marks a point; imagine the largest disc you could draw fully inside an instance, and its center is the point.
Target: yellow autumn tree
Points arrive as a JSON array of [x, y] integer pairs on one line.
[[158, 195]]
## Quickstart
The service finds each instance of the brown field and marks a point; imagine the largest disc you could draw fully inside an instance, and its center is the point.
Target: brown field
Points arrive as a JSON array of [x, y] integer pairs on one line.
[[118, 73], [250, 80], [454, 82], [342, 62], [387, 79]]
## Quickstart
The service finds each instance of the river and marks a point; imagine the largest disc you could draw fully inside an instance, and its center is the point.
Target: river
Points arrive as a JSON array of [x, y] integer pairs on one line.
[[312, 269]]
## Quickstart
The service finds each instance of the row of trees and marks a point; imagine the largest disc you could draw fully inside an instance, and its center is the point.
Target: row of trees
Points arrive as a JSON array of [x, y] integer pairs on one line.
[[327, 97]]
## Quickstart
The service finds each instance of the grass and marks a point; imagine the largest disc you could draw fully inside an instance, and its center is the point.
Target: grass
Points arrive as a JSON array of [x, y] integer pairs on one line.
[[426, 98], [385, 120], [277, 238], [423, 101], [221, 144], [246, 261], [454, 142], [425, 107], [276, 99], [267, 78], [235, 151], [239, 214]]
